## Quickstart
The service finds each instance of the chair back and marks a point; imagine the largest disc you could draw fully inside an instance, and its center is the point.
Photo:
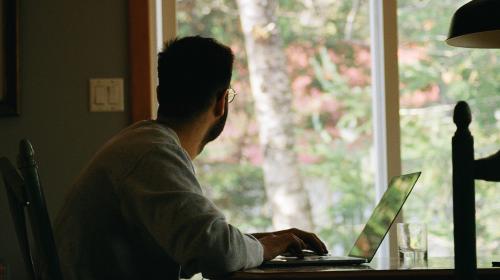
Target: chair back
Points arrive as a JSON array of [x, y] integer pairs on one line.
[[14, 186], [465, 171], [464, 211], [25, 196]]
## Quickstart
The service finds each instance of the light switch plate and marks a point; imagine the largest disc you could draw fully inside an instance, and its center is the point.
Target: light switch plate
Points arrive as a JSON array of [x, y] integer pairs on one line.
[[106, 95]]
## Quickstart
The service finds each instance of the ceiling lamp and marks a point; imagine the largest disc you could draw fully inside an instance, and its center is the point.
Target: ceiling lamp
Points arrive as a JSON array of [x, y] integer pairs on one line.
[[476, 25]]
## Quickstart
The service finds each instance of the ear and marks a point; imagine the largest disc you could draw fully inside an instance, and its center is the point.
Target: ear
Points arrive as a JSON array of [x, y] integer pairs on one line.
[[220, 105]]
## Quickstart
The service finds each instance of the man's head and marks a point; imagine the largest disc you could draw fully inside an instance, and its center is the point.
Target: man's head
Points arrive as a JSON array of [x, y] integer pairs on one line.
[[194, 74]]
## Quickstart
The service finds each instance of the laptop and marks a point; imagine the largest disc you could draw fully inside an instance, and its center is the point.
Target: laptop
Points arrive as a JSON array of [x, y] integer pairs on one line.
[[373, 233]]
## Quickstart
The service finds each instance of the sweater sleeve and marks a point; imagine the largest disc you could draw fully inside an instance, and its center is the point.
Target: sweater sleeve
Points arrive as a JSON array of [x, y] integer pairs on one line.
[[162, 196]]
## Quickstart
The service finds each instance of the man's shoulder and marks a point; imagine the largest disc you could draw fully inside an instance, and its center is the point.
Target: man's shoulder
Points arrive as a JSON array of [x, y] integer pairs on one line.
[[142, 137], [150, 153], [147, 133], [135, 142]]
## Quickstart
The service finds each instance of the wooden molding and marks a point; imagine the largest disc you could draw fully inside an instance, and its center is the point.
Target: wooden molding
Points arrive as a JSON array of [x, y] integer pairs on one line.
[[140, 45], [391, 73], [169, 19]]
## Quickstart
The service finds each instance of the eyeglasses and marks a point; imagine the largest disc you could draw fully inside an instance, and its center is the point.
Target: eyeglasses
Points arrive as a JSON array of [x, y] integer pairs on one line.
[[231, 94]]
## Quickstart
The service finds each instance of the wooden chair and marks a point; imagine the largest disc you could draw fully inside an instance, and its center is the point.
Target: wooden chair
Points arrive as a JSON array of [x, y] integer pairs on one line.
[[24, 193], [465, 171]]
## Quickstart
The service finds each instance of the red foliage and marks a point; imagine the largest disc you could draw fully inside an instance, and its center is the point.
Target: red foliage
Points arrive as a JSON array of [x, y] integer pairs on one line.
[[298, 56], [411, 54], [422, 97], [355, 76], [363, 57], [300, 84], [307, 99], [253, 153]]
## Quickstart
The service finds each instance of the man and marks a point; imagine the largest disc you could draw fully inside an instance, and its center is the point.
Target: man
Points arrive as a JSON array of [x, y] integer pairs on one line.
[[137, 210]]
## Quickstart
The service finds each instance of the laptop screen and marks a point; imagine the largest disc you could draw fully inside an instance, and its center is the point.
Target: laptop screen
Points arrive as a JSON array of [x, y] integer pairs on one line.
[[383, 216]]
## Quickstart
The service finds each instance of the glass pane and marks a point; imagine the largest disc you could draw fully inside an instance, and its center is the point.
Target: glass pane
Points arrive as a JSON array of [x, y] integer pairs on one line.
[[433, 77], [325, 46]]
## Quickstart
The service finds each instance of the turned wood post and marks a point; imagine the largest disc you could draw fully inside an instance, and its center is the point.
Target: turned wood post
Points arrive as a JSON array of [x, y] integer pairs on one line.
[[464, 212], [46, 255]]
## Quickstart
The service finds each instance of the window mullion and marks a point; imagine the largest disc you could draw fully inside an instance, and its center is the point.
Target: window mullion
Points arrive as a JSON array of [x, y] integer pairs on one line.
[[385, 103]]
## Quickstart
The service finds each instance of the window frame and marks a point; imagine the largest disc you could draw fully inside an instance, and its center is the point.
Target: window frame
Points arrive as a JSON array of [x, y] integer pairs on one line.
[[146, 30], [385, 98], [140, 60]]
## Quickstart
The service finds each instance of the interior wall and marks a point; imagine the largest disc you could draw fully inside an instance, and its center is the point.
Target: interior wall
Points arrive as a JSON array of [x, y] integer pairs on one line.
[[63, 43]]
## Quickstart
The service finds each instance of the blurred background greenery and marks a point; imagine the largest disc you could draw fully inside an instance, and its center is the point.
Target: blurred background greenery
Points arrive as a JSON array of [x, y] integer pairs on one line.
[[327, 46]]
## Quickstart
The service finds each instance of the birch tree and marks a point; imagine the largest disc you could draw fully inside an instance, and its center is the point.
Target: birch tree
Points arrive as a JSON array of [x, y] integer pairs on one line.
[[273, 106]]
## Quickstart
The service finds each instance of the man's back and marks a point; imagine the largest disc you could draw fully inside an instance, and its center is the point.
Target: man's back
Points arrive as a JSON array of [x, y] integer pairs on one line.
[[138, 212]]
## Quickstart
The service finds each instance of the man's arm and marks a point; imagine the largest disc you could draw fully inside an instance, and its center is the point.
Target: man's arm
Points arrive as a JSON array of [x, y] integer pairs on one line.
[[162, 196]]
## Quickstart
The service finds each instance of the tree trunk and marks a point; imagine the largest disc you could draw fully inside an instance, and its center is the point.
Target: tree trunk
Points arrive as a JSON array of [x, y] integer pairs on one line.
[[273, 106]]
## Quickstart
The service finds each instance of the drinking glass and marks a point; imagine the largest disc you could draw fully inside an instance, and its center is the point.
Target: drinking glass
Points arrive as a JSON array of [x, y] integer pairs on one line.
[[412, 241]]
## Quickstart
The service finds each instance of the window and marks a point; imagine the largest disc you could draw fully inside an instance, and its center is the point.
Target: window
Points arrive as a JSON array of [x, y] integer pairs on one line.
[[326, 46], [433, 77], [326, 49]]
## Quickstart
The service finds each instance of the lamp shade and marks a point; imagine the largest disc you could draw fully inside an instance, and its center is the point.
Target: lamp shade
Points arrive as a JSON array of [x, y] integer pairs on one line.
[[476, 25]]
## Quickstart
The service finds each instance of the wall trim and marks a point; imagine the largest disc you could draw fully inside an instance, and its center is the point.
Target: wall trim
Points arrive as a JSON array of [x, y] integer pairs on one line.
[[140, 46]]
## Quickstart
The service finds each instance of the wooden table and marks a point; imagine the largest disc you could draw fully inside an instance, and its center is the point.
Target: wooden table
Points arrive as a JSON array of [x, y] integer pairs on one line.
[[434, 268]]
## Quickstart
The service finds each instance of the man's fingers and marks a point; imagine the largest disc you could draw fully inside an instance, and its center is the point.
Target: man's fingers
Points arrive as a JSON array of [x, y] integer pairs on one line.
[[278, 244], [296, 245], [292, 241], [311, 239], [321, 246], [301, 242]]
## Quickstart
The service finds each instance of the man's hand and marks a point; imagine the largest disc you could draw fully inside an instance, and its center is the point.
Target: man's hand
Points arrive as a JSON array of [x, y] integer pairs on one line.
[[290, 241]]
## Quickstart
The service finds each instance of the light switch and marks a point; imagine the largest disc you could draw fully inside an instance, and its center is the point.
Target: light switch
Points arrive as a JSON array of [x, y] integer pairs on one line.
[[114, 95], [106, 95], [101, 95]]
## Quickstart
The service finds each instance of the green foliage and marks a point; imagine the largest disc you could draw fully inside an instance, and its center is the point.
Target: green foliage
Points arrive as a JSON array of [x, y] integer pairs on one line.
[[325, 42], [342, 158], [239, 191], [426, 131], [356, 101]]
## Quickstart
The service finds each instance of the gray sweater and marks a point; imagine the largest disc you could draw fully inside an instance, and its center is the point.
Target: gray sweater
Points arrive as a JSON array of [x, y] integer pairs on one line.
[[138, 212]]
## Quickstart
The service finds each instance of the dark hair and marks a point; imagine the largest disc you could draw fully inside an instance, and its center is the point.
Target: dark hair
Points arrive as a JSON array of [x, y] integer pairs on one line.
[[192, 73]]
